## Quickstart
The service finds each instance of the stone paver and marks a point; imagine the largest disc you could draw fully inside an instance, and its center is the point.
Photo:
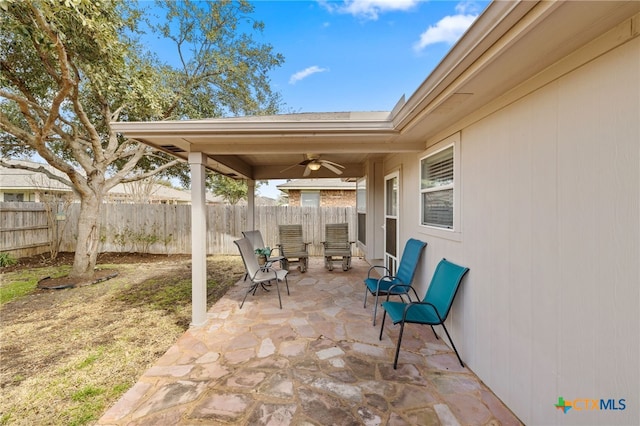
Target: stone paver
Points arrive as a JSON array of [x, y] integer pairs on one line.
[[317, 361]]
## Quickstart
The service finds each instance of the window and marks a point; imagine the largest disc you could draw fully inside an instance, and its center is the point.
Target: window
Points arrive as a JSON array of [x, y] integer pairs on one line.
[[12, 197], [310, 199], [361, 209], [437, 188]]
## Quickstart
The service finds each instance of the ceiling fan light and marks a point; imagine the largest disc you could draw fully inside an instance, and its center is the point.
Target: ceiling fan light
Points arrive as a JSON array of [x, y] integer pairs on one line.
[[314, 165]]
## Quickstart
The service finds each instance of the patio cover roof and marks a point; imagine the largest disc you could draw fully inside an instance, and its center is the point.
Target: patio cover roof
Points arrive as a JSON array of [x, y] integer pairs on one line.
[[510, 43]]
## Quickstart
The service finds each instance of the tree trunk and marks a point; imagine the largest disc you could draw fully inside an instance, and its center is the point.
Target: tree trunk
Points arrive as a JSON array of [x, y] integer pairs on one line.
[[86, 254]]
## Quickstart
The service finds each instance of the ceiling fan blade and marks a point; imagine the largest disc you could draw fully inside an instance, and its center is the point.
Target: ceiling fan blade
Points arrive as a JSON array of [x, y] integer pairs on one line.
[[307, 171], [289, 168], [332, 163], [331, 167]]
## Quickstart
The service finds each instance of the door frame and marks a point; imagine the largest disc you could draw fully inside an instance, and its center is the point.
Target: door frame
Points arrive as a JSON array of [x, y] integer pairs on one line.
[[390, 216]]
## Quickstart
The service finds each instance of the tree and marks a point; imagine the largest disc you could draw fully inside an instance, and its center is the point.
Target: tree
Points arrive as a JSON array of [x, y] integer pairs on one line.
[[231, 190], [70, 68]]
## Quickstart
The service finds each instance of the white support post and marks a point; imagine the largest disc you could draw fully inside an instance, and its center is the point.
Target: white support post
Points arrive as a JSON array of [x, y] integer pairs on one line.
[[197, 162], [251, 205]]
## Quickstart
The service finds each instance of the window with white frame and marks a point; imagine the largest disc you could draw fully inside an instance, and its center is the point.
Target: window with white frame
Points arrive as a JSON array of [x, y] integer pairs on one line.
[[437, 188], [310, 198]]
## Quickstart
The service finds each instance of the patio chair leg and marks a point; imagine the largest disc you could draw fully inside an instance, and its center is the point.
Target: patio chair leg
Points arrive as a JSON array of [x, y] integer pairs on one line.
[[279, 298], [252, 288], [286, 282], [384, 316], [395, 361], [375, 309], [366, 293], [452, 345], [434, 332]]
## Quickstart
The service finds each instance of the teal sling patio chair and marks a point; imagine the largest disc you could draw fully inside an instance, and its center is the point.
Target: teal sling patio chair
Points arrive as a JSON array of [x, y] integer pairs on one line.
[[433, 309], [259, 276], [406, 271]]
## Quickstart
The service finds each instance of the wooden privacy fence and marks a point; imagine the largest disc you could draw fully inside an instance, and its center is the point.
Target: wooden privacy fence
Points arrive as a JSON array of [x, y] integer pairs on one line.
[[166, 229], [24, 229]]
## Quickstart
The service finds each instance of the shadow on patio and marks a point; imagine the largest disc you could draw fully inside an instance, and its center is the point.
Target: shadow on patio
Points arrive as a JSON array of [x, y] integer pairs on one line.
[[318, 361]]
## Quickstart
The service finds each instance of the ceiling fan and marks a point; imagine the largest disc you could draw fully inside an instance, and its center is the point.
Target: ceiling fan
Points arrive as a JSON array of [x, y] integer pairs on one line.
[[313, 162]]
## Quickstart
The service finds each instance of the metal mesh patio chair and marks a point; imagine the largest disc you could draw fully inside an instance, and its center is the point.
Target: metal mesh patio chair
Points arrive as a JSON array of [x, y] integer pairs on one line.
[[258, 243], [259, 276]]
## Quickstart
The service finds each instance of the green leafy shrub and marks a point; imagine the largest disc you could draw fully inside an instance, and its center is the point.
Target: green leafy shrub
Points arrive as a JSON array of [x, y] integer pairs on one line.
[[7, 260]]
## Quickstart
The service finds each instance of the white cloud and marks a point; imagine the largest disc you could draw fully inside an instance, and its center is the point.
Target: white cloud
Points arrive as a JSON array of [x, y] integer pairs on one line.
[[448, 30], [368, 9], [300, 75], [467, 8]]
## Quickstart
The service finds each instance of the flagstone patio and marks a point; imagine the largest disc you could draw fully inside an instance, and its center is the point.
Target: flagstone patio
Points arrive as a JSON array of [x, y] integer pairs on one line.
[[317, 361]]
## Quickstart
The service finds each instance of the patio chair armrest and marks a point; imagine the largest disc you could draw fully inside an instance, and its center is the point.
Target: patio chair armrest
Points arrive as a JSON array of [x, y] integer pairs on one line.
[[410, 305], [275, 248], [407, 286], [375, 267], [266, 269]]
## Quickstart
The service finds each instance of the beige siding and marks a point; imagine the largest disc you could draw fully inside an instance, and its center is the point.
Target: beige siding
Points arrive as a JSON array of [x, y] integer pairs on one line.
[[550, 229]]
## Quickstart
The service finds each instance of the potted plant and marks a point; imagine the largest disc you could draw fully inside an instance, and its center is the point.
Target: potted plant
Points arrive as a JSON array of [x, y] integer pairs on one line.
[[262, 254]]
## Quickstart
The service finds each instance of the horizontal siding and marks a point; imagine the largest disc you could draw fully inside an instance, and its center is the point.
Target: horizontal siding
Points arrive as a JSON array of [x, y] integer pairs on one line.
[[551, 233]]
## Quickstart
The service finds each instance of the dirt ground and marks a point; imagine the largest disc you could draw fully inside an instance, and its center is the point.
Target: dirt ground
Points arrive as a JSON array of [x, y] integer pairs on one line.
[[67, 355], [47, 283]]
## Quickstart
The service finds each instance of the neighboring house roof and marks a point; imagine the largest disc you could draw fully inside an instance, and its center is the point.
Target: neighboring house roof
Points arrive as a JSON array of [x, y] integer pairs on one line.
[[20, 179], [260, 201], [26, 180], [157, 192], [318, 184]]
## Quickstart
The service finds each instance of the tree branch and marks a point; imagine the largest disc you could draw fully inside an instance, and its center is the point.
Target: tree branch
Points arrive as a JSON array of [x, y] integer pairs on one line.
[[152, 172], [66, 84], [40, 169]]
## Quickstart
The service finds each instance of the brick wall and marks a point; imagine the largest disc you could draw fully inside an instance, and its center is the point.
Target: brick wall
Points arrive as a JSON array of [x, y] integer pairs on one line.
[[337, 198], [294, 198], [328, 198]]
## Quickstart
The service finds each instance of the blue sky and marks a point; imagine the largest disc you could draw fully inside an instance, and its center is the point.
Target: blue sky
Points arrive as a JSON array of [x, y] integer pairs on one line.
[[357, 55]]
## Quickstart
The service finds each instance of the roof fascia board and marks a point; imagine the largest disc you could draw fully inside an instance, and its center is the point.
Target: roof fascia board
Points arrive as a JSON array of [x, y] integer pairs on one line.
[[502, 24], [610, 40], [239, 148], [210, 128]]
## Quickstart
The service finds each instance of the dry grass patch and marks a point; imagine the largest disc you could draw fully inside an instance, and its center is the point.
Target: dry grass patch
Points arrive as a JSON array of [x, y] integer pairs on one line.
[[68, 355]]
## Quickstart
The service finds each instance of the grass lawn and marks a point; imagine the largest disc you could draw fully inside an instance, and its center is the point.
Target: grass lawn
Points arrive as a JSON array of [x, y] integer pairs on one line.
[[68, 355]]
